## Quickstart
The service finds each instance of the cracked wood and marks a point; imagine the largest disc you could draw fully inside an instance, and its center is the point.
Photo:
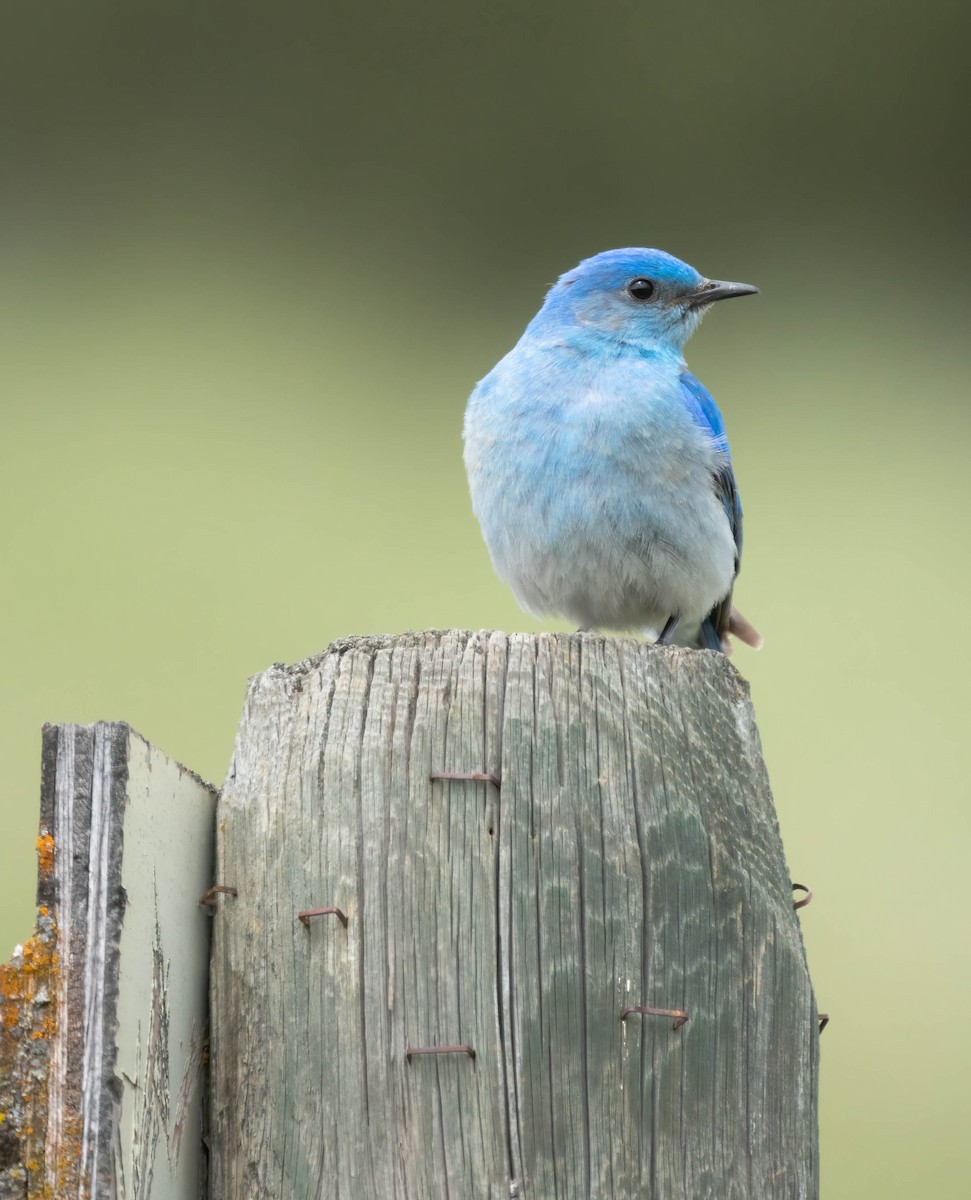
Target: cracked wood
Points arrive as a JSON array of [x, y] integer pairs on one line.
[[104, 1008], [629, 858]]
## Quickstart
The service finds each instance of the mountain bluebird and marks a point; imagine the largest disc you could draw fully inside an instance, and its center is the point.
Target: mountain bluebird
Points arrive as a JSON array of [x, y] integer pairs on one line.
[[599, 466]]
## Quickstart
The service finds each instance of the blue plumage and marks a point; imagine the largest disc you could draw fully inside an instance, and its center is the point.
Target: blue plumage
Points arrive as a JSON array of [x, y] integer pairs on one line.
[[703, 408], [599, 466]]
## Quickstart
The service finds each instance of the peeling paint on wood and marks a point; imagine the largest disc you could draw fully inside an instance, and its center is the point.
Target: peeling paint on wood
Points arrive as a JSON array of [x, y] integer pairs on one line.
[[113, 984], [629, 858]]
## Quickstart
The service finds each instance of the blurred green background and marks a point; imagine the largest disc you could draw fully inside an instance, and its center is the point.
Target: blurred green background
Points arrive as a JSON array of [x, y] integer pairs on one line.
[[254, 256]]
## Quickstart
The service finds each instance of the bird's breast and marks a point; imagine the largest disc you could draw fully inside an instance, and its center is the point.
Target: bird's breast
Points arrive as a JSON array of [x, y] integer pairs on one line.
[[593, 487], [619, 431]]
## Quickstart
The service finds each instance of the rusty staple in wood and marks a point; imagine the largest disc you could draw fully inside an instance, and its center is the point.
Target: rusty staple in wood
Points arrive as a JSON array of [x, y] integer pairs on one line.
[[823, 1021], [801, 887], [307, 913], [217, 889], [680, 1017], [412, 1050], [474, 776]]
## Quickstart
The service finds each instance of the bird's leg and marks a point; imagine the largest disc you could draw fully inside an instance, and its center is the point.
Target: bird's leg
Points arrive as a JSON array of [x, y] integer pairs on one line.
[[668, 631]]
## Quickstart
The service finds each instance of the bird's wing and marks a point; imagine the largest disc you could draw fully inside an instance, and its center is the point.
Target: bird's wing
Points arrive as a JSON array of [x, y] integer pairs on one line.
[[704, 410]]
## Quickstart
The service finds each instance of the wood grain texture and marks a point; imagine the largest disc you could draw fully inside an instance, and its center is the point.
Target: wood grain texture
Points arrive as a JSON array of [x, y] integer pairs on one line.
[[103, 1036], [631, 857]]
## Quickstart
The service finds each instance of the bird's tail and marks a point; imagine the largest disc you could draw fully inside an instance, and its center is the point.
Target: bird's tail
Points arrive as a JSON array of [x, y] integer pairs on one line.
[[738, 626]]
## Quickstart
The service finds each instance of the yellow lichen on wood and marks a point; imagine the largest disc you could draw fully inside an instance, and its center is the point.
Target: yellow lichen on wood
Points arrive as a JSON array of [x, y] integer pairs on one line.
[[45, 855], [28, 1024]]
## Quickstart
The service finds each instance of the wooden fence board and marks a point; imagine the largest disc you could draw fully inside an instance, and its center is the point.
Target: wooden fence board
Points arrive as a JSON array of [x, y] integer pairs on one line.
[[629, 857], [104, 1009]]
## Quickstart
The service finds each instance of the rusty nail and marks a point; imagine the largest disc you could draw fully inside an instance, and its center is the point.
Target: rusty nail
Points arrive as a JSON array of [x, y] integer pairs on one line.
[[801, 887], [307, 913], [823, 1021], [217, 889], [680, 1017], [475, 776], [413, 1050]]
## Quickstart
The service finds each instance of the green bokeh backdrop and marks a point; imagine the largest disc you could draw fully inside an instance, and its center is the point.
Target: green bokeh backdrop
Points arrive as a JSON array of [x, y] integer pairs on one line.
[[252, 259]]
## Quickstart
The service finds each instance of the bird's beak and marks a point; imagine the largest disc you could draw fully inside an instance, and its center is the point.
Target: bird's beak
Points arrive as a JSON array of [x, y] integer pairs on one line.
[[710, 290]]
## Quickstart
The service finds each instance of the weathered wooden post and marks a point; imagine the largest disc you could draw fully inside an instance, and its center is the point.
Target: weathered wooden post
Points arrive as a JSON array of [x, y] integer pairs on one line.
[[432, 986], [103, 1011]]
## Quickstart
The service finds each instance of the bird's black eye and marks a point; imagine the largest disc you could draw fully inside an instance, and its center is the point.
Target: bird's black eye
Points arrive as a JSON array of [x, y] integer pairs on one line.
[[641, 289]]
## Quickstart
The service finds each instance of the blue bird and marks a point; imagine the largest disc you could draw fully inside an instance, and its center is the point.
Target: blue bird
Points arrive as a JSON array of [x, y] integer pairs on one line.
[[599, 466]]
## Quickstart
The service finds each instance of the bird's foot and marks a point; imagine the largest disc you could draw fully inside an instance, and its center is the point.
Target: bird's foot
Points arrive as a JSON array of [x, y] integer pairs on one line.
[[667, 633]]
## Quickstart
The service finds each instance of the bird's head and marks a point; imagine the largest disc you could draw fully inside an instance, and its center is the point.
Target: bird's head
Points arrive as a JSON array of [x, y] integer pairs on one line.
[[637, 295]]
